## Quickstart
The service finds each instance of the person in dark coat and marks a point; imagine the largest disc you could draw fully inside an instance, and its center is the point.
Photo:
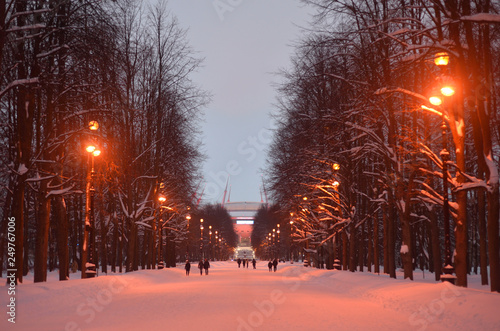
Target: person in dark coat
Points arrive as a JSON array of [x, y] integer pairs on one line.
[[244, 261], [239, 262], [200, 266], [254, 263], [275, 265], [206, 265], [187, 267], [270, 266]]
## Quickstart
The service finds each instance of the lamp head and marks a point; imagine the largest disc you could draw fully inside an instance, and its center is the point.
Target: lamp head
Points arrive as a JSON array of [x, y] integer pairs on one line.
[[447, 91], [441, 59], [435, 100], [93, 125]]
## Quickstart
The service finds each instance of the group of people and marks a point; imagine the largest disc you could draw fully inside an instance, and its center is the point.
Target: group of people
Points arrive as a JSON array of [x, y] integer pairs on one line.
[[206, 265], [246, 262], [273, 264], [201, 265]]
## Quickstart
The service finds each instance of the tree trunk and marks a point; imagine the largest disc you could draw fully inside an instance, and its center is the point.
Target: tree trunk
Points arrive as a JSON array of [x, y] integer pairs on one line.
[[120, 244], [361, 248], [391, 239], [42, 235], [3, 226], [385, 239], [345, 242], [62, 237], [406, 235], [352, 247], [493, 237], [114, 243], [104, 244], [493, 172], [376, 249], [483, 247], [435, 246]]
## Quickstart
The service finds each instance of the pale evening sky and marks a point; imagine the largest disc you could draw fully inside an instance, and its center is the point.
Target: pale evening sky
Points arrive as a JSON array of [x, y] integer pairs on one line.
[[243, 42]]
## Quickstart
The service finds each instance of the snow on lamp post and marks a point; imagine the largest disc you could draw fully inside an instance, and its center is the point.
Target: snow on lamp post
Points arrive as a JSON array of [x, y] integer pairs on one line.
[[88, 265]]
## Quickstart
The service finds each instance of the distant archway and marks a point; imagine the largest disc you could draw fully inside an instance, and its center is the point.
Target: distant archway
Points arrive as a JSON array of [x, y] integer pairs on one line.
[[243, 216]]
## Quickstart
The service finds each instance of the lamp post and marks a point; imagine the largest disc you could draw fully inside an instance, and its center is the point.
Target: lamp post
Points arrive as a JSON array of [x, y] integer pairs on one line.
[[88, 265], [269, 245], [216, 245], [161, 263], [201, 238], [274, 243], [291, 238], [188, 220], [442, 60], [335, 240], [278, 240], [210, 242]]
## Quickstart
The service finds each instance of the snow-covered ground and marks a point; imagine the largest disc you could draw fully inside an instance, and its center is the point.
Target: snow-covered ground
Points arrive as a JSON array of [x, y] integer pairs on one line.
[[294, 298]]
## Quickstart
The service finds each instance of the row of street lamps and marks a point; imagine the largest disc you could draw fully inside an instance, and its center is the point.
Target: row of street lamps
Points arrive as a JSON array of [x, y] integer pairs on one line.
[[437, 99], [212, 245], [332, 186], [88, 264]]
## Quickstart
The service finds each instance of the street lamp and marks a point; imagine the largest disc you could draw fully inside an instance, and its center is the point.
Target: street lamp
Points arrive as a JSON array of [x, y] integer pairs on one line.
[[219, 247], [201, 238], [210, 242], [335, 240], [161, 263], [88, 265], [447, 91], [216, 245], [291, 238], [442, 60], [93, 125]]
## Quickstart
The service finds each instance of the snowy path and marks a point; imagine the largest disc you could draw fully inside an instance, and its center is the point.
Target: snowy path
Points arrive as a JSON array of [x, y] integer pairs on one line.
[[294, 298]]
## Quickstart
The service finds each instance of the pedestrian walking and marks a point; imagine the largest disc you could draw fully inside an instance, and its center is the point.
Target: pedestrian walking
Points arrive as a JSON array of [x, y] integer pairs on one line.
[[244, 261], [200, 266], [239, 262], [270, 266], [254, 263], [248, 262], [206, 265], [187, 267], [275, 265]]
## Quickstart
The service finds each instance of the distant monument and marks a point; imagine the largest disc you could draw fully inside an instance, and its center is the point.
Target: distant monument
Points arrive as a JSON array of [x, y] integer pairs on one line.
[[243, 216]]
